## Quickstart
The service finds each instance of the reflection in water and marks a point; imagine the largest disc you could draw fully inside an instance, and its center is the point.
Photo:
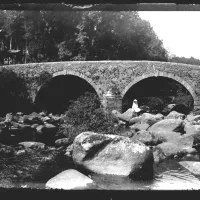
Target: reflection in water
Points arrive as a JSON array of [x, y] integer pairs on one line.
[[169, 175], [176, 180]]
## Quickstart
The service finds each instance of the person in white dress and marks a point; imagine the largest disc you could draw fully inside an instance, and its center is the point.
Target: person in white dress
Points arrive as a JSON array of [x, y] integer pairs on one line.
[[135, 106]]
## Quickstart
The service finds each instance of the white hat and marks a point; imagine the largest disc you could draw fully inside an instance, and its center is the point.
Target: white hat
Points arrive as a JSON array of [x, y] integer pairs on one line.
[[135, 99]]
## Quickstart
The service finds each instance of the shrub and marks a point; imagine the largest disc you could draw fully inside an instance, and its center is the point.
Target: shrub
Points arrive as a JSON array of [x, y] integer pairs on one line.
[[186, 100], [14, 92], [155, 104], [85, 114]]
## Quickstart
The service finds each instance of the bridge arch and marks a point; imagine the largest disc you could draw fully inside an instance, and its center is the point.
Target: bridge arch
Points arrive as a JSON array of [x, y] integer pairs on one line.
[[162, 74], [80, 75]]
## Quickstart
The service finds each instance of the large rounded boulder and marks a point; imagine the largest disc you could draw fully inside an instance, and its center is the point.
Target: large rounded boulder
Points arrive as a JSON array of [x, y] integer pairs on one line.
[[166, 125], [151, 118], [112, 154]]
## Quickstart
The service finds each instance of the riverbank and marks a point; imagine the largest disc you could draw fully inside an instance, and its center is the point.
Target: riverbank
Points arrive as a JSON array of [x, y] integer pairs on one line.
[[33, 150]]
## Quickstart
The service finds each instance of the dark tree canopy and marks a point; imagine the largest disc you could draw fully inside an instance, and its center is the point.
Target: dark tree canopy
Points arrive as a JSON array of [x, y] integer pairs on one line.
[[45, 36]]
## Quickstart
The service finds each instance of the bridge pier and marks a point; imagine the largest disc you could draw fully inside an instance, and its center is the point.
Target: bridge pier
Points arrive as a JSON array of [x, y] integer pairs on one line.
[[111, 102]]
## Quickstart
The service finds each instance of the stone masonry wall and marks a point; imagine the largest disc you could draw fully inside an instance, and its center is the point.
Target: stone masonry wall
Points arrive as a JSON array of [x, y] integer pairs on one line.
[[116, 75]]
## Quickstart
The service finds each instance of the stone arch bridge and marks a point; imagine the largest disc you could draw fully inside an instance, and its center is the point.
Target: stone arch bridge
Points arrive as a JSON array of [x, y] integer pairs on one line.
[[118, 76]]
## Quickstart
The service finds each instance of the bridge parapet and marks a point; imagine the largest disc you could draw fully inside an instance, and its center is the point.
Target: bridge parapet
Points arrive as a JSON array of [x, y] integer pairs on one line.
[[103, 75]]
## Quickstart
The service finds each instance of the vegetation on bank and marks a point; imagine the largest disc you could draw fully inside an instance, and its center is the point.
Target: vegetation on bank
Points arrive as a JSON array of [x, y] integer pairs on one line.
[[46, 36], [86, 114]]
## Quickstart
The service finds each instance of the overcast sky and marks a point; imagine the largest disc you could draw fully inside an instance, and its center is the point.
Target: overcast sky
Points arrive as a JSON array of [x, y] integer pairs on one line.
[[179, 30]]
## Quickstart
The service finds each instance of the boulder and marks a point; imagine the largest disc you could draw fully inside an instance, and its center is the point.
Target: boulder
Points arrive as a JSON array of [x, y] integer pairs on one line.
[[184, 142], [151, 118], [69, 179], [126, 116], [158, 155], [46, 119], [64, 142], [167, 125], [135, 120], [191, 129], [168, 109], [192, 118], [139, 127], [175, 115], [32, 119], [33, 145], [112, 154], [169, 149], [146, 137], [165, 136], [192, 166]]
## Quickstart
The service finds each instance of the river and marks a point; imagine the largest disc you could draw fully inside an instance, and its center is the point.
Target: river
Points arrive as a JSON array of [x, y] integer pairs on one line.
[[168, 175]]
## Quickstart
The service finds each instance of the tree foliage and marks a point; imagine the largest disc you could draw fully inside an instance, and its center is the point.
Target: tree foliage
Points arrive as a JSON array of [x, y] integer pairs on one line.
[[190, 61], [74, 35]]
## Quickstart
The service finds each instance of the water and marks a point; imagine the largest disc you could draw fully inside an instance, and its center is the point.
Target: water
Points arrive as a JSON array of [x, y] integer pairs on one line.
[[168, 175]]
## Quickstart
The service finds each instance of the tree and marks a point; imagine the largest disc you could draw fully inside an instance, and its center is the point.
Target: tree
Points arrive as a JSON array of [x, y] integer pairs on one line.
[[118, 36]]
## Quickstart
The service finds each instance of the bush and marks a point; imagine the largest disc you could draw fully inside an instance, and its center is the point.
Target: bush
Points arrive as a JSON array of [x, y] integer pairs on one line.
[[155, 104], [14, 93], [186, 100], [85, 114]]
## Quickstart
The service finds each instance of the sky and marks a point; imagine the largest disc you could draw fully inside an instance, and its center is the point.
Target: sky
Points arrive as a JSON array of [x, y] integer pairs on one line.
[[179, 30]]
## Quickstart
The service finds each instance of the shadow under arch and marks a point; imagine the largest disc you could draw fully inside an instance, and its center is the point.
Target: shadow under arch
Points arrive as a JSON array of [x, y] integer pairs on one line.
[[162, 77], [55, 96]]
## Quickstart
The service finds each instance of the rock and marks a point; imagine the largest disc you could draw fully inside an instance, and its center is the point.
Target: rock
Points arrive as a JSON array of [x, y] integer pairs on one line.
[[151, 118], [32, 119], [146, 137], [192, 166], [168, 109], [43, 114], [135, 120], [191, 150], [19, 113], [158, 155], [192, 118], [184, 142], [69, 179], [62, 142], [169, 149], [46, 119], [166, 136], [50, 127], [167, 125], [33, 145], [68, 155], [126, 116], [34, 126], [175, 115], [112, 154], [139, 127], [128, 133], [20, 152], [191, 129]]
